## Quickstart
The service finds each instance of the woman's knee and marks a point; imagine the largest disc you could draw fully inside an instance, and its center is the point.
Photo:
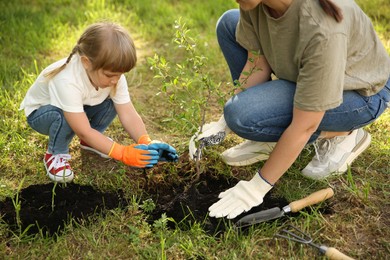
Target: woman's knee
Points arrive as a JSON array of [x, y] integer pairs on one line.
[[227, 22], [232, 112], [236, 120]]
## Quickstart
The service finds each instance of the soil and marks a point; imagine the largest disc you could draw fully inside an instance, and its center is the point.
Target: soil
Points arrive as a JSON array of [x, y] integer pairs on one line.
[[189, 204], [186, 202], [70, 201], [185, 205]]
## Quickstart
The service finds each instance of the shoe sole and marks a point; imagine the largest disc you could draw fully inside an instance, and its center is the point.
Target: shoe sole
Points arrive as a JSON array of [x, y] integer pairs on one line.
[[55, 178], [87, 148], [361, 147], [260, 157]]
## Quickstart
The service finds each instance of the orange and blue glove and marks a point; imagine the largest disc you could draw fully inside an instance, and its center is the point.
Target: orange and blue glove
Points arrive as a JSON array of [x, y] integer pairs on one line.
[[136, 155], [166, 152]]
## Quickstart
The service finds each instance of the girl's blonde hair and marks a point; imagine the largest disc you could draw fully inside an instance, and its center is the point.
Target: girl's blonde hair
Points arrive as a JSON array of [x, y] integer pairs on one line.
[[107, 45]]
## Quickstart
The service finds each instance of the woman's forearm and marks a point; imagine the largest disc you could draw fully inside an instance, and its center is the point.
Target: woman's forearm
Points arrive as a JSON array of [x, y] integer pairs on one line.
[[284, 154], [291, 143], [255, 71]]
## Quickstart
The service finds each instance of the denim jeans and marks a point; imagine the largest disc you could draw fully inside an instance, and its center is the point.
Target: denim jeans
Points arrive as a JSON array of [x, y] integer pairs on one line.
[[263, 112], [49, 120]]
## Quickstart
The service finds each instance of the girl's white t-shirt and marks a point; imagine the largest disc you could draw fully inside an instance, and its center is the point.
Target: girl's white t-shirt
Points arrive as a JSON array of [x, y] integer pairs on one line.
[[71, 89]]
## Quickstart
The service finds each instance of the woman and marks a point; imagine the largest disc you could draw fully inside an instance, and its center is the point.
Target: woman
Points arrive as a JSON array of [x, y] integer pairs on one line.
[[332, 79]]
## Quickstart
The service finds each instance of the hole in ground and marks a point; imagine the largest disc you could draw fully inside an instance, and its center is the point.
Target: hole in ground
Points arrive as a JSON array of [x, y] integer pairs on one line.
[[189, 204]]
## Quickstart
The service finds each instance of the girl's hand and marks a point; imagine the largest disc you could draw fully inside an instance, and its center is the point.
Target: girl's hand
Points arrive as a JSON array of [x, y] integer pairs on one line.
[[166, 152], [136, 155]]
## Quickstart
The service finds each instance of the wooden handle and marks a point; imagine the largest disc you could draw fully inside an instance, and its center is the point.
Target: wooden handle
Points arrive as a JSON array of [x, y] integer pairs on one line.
[[335, 254], [312, 199]]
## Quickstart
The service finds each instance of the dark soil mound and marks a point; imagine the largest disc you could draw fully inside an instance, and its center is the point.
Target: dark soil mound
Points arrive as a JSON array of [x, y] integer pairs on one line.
[[72, 201], [185, 203]]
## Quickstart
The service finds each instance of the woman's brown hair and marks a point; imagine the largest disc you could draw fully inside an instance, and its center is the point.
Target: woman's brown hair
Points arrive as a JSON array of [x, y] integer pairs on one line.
[[107, 45], [332, 10]]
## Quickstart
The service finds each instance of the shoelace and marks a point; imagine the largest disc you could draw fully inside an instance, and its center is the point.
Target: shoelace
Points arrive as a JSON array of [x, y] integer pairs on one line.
[[323, 147], [58, 160]]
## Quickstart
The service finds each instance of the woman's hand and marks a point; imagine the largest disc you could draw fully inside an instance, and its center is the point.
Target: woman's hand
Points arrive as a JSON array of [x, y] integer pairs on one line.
[[241, 198], [212, 134]]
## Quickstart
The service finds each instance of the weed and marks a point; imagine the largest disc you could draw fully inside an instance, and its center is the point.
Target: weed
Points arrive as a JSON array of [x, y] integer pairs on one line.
[[358, 188], [53, 194], [18, 206], [148, 206], [161, 226]]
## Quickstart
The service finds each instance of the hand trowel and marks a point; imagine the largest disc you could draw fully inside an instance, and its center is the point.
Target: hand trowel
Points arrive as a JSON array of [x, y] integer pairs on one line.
[[276, 212]]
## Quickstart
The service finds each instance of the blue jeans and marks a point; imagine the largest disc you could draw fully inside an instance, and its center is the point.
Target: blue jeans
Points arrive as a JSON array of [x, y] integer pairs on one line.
[[263, 112], [49, 120]]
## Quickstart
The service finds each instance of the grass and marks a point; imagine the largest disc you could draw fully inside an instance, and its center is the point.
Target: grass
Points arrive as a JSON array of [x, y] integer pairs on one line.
[[37, 33]]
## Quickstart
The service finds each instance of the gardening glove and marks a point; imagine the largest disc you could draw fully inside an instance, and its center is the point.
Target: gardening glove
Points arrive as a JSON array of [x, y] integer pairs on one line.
[[144, 139], [166, 152], [136, 155], [241, 198], [212, 133]]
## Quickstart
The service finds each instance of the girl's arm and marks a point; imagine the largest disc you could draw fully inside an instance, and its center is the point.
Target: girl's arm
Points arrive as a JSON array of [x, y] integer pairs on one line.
[[128, 116], [132, 155], [291, 143], [131, 120], [80, 125]]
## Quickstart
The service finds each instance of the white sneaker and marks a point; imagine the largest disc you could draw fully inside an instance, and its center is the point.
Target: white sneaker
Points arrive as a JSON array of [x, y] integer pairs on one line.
[[247, 152], [334, 155]]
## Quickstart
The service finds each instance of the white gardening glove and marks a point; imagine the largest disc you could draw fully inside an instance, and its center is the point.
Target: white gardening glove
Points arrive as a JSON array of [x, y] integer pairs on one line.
[[212, 133], [240, 198]]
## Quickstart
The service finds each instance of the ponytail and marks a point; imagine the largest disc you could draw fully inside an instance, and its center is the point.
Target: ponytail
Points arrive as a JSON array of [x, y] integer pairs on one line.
[[332, 10], [55, 71], [107, 45]]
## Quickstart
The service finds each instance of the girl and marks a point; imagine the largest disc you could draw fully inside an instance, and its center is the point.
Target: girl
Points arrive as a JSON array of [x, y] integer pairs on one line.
[[332, 79], [82, 94]]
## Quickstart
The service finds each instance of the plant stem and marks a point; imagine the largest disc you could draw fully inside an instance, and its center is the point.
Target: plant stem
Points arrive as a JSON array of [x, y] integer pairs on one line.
[[18, 206], [53, 194]]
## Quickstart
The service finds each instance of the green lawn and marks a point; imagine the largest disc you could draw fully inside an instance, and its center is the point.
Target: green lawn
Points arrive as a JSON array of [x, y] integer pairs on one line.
[[36, 33]]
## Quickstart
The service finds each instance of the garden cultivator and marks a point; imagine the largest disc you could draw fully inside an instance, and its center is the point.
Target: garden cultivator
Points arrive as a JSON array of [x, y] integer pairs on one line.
[[294, 234]]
